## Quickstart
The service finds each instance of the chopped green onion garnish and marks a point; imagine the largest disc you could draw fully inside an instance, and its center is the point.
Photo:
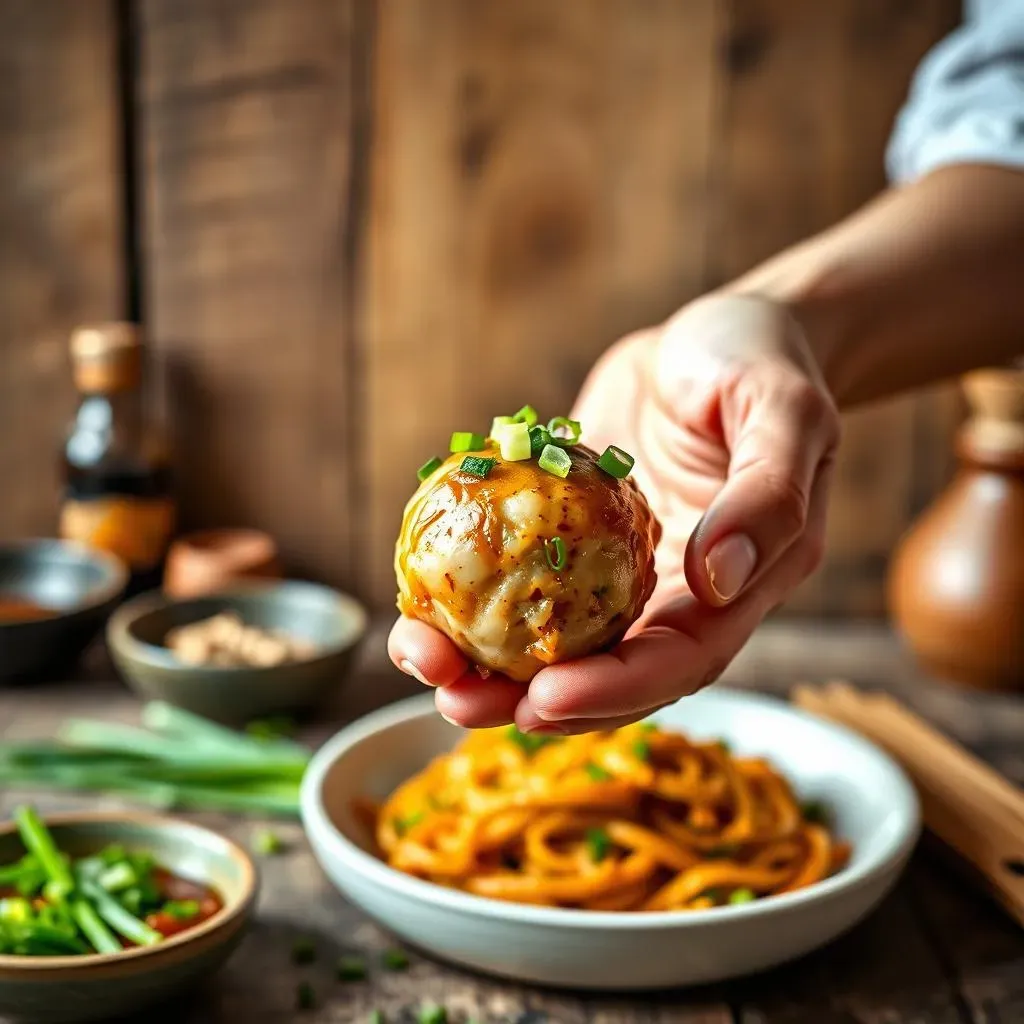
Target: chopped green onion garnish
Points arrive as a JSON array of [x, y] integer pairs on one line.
[[181, 910], [477, 466], [597, 773], [514, 441], [431, 1013], [564, 431], [305, 997], [615, 462], [376, 1017], [527, 415], [815, 812], [528, 741], [402, 825], [642, 749], [277, 726], [497, 423], [120, 876], [350, 968], [554, 552], [649, 726], [742, 896], [394, 959], [555, 461], [539, 437], [428, 468], [267, 843], [598, 843], [464, 441], [303, 951]]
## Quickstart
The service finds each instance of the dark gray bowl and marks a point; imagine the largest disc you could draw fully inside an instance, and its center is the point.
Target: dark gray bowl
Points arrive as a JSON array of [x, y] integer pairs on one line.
[[332, 621], [83, 584]]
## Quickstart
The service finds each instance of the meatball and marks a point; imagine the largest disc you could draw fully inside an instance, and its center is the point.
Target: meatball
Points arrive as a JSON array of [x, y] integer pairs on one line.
[[522, 568]]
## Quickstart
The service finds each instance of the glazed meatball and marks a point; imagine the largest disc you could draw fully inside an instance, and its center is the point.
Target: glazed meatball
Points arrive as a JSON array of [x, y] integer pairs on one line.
[[521, 568]]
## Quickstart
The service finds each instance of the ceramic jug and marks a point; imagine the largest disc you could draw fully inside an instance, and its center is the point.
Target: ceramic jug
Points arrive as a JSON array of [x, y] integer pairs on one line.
[[956, 582]]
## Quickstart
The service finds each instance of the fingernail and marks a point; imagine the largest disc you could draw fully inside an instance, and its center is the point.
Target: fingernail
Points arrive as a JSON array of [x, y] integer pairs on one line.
[[730, 563], [450, 721], [544, 730], [411, 670]]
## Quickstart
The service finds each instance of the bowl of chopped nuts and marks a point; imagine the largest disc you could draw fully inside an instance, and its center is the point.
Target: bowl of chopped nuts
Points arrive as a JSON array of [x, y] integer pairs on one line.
[[251, 650]]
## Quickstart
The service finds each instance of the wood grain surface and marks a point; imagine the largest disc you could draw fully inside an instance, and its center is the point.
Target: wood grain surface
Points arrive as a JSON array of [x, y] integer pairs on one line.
[[363, 225], [61, 252], [935, 952]]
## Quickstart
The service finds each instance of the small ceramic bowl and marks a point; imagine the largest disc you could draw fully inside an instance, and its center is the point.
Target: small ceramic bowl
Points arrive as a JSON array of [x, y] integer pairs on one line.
[[69, 989], [333, 622], [79, 585], [871, 800], [210, 560]]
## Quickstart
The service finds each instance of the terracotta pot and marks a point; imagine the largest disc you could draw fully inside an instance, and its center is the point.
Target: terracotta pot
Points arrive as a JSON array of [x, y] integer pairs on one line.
[[202, 563], [956, 584]]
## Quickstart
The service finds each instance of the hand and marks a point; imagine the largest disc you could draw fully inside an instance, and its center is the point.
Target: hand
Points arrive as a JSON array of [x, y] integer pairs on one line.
[[734, 433]]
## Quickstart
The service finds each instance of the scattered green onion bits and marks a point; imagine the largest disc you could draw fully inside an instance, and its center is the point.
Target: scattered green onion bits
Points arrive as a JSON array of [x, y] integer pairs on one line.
[[615, 462], [476, 465], [527, 415], [555, 553], [539, 437], [564, 431], [464, 441], [739, 896], [350, 968], [597, 773], [498, 422], [514, 442], [598, 844], [428, 468], [555, 461]]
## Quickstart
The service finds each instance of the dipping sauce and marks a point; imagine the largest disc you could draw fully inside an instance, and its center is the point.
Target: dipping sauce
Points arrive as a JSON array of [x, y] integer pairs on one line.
[[18, 609]]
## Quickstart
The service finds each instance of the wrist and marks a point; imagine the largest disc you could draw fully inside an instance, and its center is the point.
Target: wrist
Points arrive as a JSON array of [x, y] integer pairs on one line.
[[814, 287]]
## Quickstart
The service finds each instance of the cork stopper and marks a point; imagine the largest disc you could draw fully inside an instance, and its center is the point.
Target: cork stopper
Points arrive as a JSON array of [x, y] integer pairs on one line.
[[994, 431], [106, 357]]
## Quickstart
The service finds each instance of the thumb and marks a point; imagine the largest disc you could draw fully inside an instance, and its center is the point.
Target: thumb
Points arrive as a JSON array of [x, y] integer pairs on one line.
[[786, 438]]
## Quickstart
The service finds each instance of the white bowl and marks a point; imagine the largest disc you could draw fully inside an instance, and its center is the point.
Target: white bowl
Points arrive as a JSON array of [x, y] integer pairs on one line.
[[873, 803]]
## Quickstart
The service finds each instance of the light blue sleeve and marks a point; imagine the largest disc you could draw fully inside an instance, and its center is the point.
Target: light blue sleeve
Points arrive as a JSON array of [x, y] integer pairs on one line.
[[966, 103]]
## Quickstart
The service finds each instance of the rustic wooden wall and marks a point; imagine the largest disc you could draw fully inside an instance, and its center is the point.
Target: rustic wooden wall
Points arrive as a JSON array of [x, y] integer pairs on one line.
[[363, 224], [60, 231]]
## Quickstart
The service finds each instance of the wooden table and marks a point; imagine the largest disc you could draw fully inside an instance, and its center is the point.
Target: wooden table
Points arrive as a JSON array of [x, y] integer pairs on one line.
[[936, 952]]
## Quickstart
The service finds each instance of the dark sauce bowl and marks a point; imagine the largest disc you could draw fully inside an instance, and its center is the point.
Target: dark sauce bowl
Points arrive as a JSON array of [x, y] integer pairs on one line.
[[77, 586]]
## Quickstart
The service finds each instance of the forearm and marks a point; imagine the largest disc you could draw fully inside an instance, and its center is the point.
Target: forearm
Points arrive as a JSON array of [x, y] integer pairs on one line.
[[925, 282]]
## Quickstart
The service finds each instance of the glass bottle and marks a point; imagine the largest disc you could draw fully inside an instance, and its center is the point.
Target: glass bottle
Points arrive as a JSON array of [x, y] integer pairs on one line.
[[117, 474]]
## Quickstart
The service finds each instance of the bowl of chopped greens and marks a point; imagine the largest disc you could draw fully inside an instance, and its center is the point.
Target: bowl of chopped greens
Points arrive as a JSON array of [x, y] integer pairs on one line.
[[104, 914]]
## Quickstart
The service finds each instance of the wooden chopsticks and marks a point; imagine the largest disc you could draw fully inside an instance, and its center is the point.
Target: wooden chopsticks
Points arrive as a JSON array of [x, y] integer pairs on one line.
[[966, 803]]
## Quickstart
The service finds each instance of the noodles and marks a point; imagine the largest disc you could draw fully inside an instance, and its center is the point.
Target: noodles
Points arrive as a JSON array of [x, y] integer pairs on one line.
[[638, 819]]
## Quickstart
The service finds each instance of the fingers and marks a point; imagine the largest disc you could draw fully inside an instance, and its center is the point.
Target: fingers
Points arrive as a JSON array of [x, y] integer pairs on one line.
[[783, 444], [528, 721], [425, 653], [476, 703], [683, 646]]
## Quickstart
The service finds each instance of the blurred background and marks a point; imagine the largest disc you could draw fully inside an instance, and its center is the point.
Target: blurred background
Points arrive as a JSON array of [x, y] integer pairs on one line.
[[349, 228]]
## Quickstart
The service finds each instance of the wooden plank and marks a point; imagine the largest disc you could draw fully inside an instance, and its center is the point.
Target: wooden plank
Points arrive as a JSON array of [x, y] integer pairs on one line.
[[933, 954], [248, 120], [860, 979], [982, 947], [61, 258], [542, 195], [811, 93]]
